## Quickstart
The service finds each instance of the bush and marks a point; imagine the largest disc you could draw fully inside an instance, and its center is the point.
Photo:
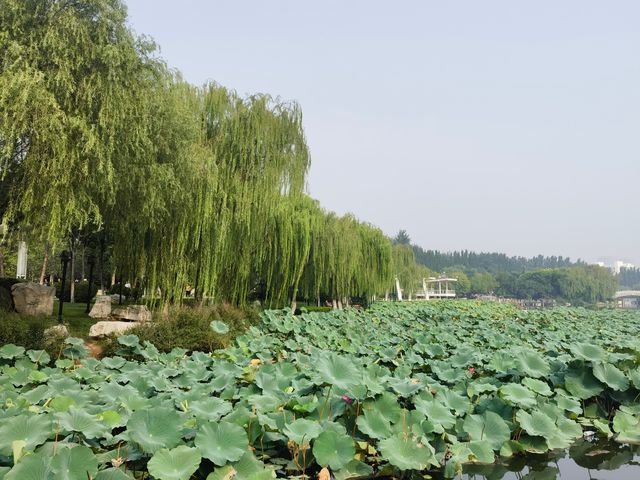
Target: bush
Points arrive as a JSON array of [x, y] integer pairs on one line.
[[6, 299], [81, 291], [22, 330], [190, 328], [312, 308]]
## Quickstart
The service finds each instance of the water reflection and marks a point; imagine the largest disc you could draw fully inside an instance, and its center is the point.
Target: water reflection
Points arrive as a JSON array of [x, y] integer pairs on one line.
[[586, 460]]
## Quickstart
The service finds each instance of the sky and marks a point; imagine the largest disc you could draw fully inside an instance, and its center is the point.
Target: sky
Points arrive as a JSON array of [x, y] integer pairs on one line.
[[487, 125]]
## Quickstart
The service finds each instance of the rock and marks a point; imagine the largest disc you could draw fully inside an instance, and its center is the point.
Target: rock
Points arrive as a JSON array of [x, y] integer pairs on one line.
[[104, 328], [54, 334], [33, 299], [102, 307], [115, 298], [132, 313]]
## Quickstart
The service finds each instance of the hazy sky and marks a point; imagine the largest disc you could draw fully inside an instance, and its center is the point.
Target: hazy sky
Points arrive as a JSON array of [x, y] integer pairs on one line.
[[487, 125]]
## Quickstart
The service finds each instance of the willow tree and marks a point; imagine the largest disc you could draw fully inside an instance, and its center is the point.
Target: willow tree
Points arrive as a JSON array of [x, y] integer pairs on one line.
[[347, 259], [70, 86]]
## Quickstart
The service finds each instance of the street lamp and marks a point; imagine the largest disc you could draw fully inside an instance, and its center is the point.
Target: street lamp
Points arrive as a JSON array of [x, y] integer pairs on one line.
[[64, 259], [91, 260]]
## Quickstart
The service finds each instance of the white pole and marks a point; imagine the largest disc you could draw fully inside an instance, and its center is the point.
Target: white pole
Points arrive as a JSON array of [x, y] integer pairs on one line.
[[398, 290], [21, 270]]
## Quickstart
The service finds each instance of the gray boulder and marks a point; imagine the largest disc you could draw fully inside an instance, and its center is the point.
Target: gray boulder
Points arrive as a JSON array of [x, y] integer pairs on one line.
[[33, 299], [102, 307], [104, 328], [132, 313]]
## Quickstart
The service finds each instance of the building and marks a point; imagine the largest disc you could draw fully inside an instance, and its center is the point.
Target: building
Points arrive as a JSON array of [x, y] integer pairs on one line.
[[628, 299]]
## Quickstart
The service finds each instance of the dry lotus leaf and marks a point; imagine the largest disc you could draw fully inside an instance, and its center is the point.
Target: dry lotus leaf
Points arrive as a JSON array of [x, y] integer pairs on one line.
[[324, 474]]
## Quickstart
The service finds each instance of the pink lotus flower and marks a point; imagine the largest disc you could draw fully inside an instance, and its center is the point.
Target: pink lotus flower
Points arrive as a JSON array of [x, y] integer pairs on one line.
[[472, 371], [347, 399]]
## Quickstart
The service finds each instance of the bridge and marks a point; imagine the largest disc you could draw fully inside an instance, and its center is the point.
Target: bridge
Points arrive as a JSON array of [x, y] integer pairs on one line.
[[627, 298]]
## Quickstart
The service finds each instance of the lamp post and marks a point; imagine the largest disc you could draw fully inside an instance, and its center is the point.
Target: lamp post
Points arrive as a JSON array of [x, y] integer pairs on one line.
[[64, 259], [91, 260]]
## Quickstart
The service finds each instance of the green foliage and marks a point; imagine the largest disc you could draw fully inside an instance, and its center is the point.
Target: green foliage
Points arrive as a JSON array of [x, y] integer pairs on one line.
[[190, 328], [22, 330], [398, 395]]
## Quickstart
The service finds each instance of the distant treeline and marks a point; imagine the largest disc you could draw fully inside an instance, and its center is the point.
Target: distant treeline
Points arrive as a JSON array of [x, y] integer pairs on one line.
[[629, 278], [520, 277], [488, 262]]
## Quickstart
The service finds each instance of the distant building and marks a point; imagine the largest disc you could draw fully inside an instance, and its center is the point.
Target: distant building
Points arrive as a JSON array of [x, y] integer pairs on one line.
[[619, 265], [628, 299]]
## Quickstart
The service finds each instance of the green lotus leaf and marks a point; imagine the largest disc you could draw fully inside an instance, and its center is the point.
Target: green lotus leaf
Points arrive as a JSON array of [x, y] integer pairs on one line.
[[302, 430], [211, 408], [176, 464], [30, 467], [112, 474], [32, 429], [74, 463], [77, 420], [354, 469], [538, 386], [472, 452], [219, 327], [338, 371], [114, 363], [582, 384], [454, 401], [404, 452], [221, 442], [588, 352], [511, 448], [489, 427], [39, 356], [435, 412], [533, 364], [129, 340], [333, 449], [155, 428], [10, 351], [374, 424], [247, 468], [518, 395], [611, 375], [627, 427], [387, 405]]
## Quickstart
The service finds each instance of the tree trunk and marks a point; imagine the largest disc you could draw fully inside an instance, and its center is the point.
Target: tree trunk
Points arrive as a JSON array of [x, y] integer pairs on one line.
[[82, 276], [1, 262], [334, 304], [45, 263], [113, 278], [72, 283]]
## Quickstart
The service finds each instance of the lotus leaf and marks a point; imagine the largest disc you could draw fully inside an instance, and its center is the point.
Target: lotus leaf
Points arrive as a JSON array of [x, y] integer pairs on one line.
[[333, 449], [221, 442], [406, 453], [176, 464], [155, 429]]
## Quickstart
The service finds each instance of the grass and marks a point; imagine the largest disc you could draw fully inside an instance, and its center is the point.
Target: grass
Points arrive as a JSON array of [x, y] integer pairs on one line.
[[73, 314]]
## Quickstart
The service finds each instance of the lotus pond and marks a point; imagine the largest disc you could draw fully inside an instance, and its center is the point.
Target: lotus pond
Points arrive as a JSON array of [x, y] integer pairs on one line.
[[399, 390]]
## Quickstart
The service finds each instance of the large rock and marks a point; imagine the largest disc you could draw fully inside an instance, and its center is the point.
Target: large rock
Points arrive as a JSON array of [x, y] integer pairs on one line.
[[115, 298], [102, 307], [104, 328], [132, 313], [33, 299]]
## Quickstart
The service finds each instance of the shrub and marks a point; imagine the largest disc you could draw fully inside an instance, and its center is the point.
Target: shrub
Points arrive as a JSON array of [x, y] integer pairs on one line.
[[81, 290], [190, 328], [6, 300], [22, 330]]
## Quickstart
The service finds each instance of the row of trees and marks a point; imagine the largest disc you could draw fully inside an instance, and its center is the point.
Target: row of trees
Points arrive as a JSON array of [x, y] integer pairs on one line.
[[629, 278], [518, 277], [104, 148], [583, 284]]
